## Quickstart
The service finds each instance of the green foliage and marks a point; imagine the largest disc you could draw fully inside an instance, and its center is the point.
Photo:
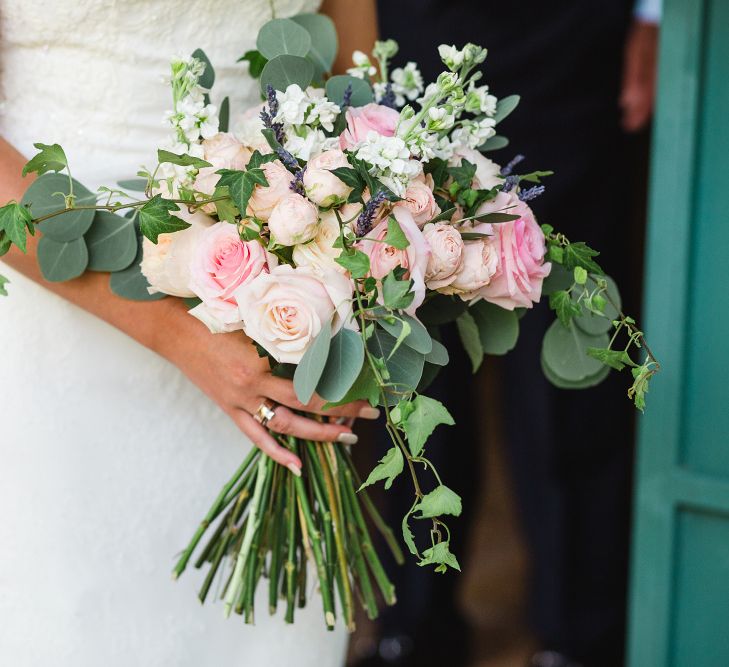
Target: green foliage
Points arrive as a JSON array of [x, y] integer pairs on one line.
[[396, 294], [3, 281], [564, 352], [494, 143], [444, 215], [408, 537], [282, 71], [133, 184], [15, 222], [356, 262], [224, 115], [389, 467], [155, 218], [5, 242], [439, 501], [423, 415], [324, 42], [130, 283], [441, 309], [505, 106], [395, 236], [256, 62], [585, 383], [535, 176], [641, 378], [580, 275], [343, 365], [617, 359], [497, 217], [61, 261], [564, 307], [417, 335], [591, 322], [438, 355], [281, 37], [183, 160], [471, 338], [559, 278], [580, 254], [440, 555], [111, 242], [49, 158], [241, 184], [463, 174], [361, 90], [311, 367], [207, 79], [498, 328], [402, 367]]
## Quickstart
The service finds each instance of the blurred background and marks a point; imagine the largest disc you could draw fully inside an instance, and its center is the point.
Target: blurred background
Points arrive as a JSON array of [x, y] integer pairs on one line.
[[548, 476]]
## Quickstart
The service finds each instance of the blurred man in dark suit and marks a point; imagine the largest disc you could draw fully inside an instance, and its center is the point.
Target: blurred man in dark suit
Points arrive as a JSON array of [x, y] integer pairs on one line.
[[584, 70]]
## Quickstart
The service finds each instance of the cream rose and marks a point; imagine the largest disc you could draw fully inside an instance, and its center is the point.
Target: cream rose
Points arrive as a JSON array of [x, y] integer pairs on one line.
[[284, 310], [446, 248], [320, 252], [322, 186], [479, 263], [166, 264], [265, 197], [223, 151], [420, 202], [294, 220]]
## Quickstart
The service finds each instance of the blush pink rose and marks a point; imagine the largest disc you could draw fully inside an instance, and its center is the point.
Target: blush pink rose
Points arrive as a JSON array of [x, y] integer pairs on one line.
[[384, 258], [363, 120], [478, 266], [322, 186], [265, 198], [220, 264], [520, 247], [294, 220], [420, 202], [447, 250], [284, 310]]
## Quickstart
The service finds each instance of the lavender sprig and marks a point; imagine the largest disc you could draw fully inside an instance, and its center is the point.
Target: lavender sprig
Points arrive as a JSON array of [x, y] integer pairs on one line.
[[297, 183], [510, 183], [531, 193], [509, 168], [347, 97], [388, 99], [268, 114], [364, 221]]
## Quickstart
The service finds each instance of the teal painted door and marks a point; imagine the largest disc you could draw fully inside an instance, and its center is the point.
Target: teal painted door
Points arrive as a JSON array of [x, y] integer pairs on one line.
[[679, 609]]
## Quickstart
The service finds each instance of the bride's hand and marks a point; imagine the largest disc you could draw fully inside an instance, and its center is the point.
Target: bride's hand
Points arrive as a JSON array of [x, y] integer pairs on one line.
[[228, 369]]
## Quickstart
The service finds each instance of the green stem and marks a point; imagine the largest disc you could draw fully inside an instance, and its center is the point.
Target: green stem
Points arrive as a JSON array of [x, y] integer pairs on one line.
[[291, 561]]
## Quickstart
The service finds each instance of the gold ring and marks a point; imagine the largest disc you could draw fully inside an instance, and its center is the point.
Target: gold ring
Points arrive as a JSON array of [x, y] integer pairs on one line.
[[265, 413]]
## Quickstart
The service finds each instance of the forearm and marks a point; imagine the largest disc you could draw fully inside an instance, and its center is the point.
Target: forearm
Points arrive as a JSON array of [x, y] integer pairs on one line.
[[147, 322], [356, 22]]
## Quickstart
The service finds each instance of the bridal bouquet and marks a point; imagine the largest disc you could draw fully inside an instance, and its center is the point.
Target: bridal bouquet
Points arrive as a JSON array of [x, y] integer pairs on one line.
[[339, 224]]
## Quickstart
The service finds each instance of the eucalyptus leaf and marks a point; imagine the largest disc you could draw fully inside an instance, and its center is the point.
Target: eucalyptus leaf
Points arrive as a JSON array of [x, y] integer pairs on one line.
[[283, 71], [208, 76], [594, 324], [131, 284], [365, 387], [224, 115], [324, 43], [111, 242], [361, 90], [61, 261], [343, 365], [438, 355], [281, 37], [559, 278], [585, 383], [389, 467], [133, 184], [564, 352], [494, 143], [418, 337], [470, 337], [505, 106], [43, 198], [310, 368], [405, 366], [498, 328], [441, 309]]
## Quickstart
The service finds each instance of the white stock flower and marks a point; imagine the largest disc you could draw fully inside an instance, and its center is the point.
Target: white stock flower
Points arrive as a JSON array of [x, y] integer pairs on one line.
[[363, 67], [478, 100], [292, 105], [473, 133], [323, 112], [391, 160], [452, 58], [313, 143], [407, 82]]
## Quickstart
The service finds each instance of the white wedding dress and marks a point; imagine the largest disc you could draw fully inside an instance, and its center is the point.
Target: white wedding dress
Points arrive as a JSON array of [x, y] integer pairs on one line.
[[108, 455]]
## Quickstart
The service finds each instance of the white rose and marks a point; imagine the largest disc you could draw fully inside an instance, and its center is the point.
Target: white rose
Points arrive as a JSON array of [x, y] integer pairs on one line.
[[323, 187], [320, 253], [479, 263], [166, 264], [488, 173], [264, 198], [294, 220], [446, 246], [284, 310]]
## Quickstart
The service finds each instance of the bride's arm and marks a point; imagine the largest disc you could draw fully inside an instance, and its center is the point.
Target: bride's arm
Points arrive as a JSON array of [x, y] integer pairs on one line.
[[356, 22], [225, 366]]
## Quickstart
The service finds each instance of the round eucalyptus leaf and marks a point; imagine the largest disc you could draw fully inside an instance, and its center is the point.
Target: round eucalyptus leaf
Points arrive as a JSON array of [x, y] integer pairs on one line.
[[405, 366], [43, 198], [111, 241], [131, 284], [430, 372], [441, 309], [418, 338], [590, 381], [361, 90], [323, 36], [343, 365], [558, 279], [595, 324], [283, 71], [281, 37], [498, 328], [62, 261], [564, 351]]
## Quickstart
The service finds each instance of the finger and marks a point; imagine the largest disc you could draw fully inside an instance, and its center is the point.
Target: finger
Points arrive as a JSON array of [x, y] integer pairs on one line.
[[282, 391], [262, 439], [286, 422]]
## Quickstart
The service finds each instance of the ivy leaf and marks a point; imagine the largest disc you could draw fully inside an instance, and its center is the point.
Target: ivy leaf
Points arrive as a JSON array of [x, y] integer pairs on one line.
[[463, 174], [389, 467], [408, 537], [5, 242], [580, 275], [258, 158], [617, 359], [427, 413], [638, 390], [240, 184], [357, 263], [182, 160], [564, 307], [440, 555], [16, 222], [3, 281], [471, 339], [155, 218], [50, 158], [256, 62], [580, 254], [535, 176], [395, 237], [439, 501], [396, 293]]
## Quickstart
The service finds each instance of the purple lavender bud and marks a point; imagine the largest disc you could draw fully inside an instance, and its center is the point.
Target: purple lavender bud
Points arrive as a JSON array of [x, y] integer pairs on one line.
[[510, 183], [388, 99], [290, 162], [509, 168], [364, 221], [297, 184], [272, 100], [531, 193], [347, 97]]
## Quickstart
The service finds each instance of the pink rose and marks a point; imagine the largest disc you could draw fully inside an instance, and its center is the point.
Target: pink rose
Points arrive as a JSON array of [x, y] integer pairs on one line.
[[447, 248], [284, 310], [220, 264], [264, 198], [323, 187], [294, 220], [384, 258], [478, 266], [223, 151], [420, 202], [369, 118], [520, 247]]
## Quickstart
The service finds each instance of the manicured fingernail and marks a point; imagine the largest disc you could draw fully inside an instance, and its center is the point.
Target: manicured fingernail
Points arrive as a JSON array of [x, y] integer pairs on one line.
[[341, 420], [369, 412], [347, 438], [294, 469]]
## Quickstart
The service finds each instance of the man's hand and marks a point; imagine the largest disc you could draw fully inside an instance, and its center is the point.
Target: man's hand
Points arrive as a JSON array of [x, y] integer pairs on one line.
[[637, 96]]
